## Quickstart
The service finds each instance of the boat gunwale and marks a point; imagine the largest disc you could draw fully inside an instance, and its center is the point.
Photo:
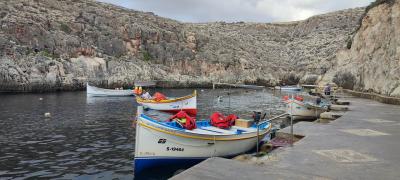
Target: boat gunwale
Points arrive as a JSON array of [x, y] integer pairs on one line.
[[152, 101]]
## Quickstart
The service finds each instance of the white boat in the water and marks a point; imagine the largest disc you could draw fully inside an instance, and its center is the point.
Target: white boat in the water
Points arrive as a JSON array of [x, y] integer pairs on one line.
[[288, 88], [161, 143], [186, 103], [95, 91], [301, 110]]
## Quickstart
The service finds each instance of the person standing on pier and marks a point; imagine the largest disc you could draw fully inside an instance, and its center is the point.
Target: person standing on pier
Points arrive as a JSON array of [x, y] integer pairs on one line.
[[327, 90]]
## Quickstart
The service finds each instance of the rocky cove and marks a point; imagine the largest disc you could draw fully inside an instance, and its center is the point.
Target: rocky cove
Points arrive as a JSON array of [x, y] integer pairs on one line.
[[48, 45]]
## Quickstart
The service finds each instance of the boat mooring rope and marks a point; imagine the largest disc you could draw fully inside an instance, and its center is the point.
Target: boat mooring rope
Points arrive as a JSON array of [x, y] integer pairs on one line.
[[215, 147]]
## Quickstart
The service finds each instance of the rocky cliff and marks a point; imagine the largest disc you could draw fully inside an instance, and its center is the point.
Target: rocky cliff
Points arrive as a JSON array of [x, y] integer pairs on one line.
[[59, 45], [372, 60]]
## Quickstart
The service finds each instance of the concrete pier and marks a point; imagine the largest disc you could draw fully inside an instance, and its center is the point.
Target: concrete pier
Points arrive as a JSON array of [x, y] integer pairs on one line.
[[362, 144]]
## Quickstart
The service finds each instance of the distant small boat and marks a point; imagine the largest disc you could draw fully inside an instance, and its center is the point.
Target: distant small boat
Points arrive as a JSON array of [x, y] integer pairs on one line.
[[288, 88], [95, 91], [145, 83], [186, 103], [304, 110], [160, 143]]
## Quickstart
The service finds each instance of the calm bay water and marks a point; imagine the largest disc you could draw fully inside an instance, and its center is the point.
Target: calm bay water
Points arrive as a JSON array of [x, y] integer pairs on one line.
[[91, 138]]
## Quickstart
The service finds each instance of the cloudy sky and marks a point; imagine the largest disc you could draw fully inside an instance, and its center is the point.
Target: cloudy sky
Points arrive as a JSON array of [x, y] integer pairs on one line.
[[238, 10]]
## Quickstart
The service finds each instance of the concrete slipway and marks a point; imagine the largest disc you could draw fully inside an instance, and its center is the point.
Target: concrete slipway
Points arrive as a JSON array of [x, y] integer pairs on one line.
[[363, 144]]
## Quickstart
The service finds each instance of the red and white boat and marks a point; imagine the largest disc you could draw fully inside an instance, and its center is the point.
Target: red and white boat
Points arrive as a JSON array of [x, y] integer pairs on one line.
[[186, 103]]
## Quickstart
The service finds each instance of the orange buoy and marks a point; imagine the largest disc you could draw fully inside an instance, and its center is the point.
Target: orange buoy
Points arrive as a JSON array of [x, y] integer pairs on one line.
[[140, 90]]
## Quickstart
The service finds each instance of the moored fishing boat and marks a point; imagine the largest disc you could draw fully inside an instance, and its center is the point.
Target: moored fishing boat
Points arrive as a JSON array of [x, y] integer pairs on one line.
[[95, 91], [165, 143], [288, 88], [304, 110], [186, 103]]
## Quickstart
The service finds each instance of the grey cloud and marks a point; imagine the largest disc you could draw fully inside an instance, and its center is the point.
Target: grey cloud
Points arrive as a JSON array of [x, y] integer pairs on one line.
[[238, 10]]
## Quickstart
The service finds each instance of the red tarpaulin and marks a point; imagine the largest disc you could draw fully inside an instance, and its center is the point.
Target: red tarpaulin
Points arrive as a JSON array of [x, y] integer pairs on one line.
[[189, 124], [220, 121], [159, 96]]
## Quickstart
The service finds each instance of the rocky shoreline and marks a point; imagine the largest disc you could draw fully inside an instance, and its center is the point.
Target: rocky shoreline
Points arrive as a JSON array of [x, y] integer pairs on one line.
[[48, 48]]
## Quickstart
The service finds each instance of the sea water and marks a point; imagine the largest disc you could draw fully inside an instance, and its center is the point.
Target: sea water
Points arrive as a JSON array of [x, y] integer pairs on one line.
[[92, 137]]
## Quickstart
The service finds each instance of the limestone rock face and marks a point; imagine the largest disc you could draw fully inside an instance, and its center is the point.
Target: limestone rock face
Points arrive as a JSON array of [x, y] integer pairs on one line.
[[50, 45], [373, 61]]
